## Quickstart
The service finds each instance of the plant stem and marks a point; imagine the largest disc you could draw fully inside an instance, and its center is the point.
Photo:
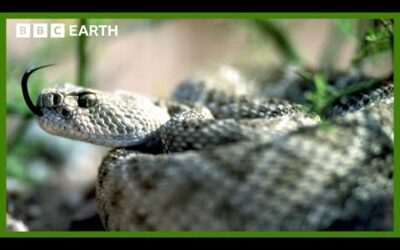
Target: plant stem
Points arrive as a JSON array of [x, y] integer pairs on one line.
[[83, 58], [278, 34]]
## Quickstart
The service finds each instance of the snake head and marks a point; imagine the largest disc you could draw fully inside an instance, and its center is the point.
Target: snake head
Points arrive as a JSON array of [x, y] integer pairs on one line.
[[102, 118]]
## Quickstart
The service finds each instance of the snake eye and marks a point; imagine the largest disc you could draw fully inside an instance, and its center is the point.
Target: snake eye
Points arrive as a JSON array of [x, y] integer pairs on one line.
[[87, 100]]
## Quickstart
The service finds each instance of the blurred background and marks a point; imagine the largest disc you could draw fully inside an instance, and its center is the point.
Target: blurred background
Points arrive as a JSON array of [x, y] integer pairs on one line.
[[50, 180]]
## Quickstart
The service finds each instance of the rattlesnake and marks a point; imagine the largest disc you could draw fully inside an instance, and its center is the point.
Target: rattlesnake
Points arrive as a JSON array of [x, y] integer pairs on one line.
[[216, 159]]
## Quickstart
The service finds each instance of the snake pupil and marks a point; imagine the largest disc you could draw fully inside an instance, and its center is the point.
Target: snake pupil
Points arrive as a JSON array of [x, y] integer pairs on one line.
[[87, 100]]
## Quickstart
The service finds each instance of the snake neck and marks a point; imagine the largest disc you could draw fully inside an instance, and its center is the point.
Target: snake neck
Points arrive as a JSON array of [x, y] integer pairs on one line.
[[152, 145]]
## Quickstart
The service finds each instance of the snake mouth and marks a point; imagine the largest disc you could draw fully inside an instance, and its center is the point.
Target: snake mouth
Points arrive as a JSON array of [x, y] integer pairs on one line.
[[24, 85]]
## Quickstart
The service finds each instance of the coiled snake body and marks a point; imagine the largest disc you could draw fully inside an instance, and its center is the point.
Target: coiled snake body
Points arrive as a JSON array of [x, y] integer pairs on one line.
[[211, 159]]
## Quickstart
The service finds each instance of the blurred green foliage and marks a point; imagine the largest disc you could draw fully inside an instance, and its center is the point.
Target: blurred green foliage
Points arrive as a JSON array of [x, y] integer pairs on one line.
[[323, 95], [377, 41], [18, 165], [348, 27], [280, 36]]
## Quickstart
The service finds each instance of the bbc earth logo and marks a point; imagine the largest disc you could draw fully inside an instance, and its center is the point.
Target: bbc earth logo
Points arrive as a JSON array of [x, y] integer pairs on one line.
[[61, 30]]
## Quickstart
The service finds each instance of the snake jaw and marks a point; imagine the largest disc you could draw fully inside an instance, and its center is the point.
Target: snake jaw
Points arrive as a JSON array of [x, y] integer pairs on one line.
[[24, 84]]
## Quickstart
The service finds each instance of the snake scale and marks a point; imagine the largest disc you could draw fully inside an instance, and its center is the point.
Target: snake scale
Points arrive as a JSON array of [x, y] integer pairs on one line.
[[220, 158]]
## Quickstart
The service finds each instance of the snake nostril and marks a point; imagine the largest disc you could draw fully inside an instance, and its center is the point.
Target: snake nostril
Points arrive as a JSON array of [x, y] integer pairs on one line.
[[57, 99], [50, 100]]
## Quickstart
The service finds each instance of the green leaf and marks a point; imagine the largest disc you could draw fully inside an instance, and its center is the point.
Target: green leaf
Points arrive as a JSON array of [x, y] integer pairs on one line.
[[377, 40]]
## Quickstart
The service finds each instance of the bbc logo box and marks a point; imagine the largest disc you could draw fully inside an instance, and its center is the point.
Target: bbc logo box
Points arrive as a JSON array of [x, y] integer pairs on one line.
[[40, 30]]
